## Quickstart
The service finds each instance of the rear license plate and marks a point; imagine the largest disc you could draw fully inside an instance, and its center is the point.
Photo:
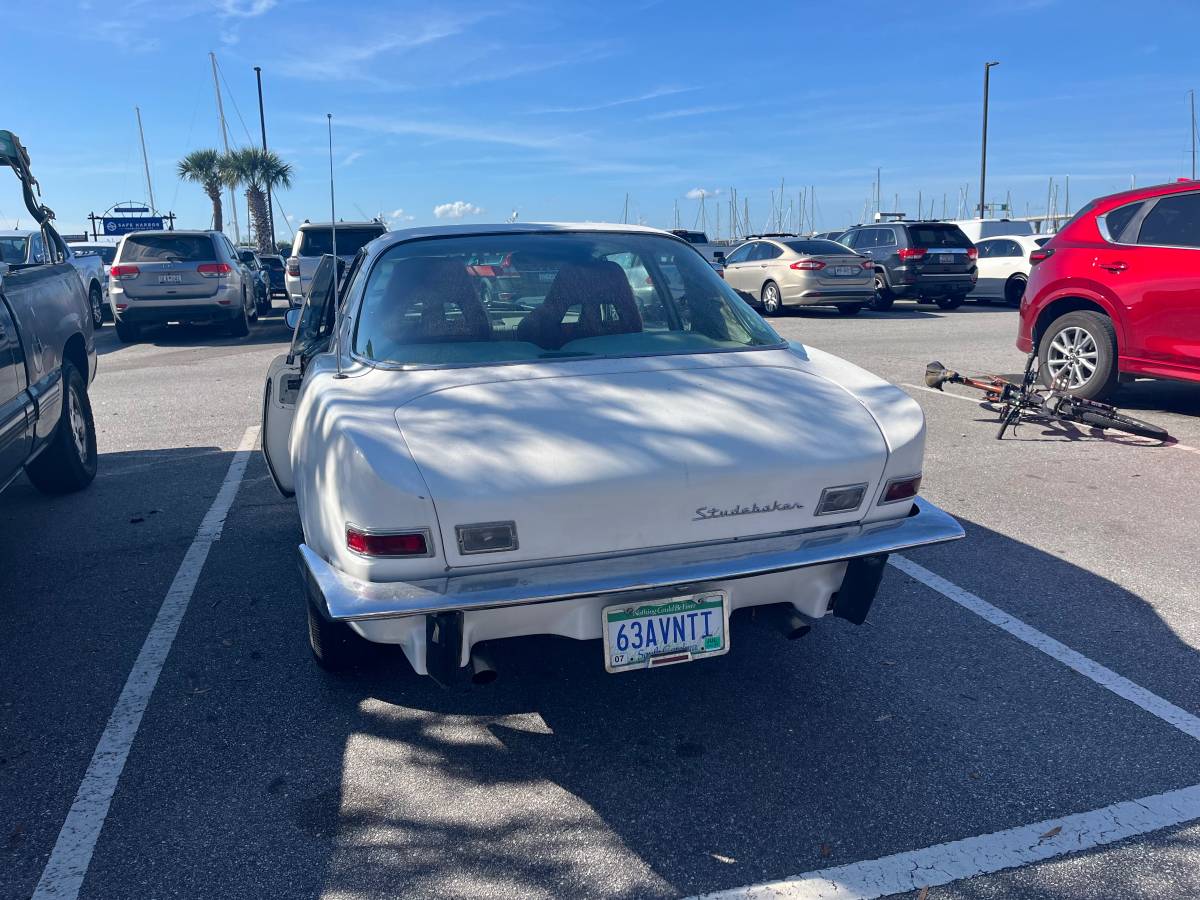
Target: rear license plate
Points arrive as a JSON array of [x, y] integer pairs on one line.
[[946, 259], [545, 277], [170, 279], [845, 270], [664, 632]]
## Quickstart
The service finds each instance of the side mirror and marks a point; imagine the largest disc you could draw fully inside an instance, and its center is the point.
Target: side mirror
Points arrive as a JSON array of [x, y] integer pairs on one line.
[[292, 317]]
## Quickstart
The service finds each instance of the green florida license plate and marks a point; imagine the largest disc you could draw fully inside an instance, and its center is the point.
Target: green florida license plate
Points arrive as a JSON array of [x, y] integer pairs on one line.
[[664, 632]]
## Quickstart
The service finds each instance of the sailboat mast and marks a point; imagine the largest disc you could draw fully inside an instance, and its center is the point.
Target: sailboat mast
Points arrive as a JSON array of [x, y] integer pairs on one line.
[[237, 231], [145, 159], [1192, 95]]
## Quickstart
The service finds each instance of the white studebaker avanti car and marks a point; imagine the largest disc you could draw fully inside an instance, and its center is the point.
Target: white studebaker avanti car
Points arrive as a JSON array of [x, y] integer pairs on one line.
[[497, 434]]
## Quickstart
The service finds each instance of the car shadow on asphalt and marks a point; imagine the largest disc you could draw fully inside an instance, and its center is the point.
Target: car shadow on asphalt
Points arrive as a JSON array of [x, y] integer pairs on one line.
[[270, 329]]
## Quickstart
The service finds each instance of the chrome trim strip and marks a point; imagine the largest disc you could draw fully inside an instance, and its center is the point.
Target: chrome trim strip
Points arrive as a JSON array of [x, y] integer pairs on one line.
[[346, 598]]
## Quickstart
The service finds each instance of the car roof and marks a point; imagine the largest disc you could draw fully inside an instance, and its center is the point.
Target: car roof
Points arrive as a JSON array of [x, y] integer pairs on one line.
[[340, 224], [1150, 190], [433, 231], [16, 232], [183, 232]]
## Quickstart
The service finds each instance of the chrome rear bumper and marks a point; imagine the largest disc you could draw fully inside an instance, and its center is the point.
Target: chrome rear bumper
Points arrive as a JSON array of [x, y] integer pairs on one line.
[[343, 598]]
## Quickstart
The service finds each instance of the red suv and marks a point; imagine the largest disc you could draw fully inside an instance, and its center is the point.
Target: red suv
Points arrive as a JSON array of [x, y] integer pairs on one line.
[[1117, 291]]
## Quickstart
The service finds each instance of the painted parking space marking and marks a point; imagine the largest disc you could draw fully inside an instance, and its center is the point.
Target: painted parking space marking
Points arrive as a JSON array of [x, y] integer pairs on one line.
[[72, 854], [984, 854], [1013, 847]]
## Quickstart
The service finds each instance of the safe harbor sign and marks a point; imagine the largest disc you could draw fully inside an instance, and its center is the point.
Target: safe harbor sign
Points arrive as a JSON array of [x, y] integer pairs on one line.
[[127, 224]]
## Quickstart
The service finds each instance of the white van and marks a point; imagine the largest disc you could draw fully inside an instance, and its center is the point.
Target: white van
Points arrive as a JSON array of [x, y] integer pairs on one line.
[[978, 229]]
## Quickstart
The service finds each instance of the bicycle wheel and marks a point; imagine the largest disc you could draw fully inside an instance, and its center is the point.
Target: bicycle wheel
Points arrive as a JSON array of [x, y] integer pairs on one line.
[[1116, 421]]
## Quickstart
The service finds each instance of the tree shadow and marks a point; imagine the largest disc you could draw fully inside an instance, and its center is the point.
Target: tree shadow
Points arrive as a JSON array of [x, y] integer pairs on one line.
[[268, 330]]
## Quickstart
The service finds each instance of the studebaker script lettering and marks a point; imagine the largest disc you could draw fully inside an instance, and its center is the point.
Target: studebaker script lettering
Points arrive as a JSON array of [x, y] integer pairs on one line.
[[711, 512]]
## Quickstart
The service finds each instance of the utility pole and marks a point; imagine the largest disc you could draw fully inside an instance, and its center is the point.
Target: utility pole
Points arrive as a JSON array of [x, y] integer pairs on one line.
[[878, 187], [146, 160], [262, 124], [237, 231], [987, 69]]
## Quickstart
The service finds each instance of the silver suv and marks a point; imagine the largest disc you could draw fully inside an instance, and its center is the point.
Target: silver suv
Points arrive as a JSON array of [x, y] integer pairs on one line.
[[314, 240], [179, 276]]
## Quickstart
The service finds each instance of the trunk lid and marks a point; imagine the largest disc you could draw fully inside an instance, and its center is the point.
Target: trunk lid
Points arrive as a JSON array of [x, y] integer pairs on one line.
[[605, 463]]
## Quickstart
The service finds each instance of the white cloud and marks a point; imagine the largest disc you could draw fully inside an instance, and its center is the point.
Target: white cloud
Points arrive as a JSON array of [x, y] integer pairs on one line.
[[398, 215], [351, 157], [244, 9], [700, 194], [456, 210], [619, 101]]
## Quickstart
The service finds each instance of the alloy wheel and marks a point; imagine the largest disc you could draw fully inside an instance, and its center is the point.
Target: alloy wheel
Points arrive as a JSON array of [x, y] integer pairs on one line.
[[79, 429], [770, 299], [1072, 357]]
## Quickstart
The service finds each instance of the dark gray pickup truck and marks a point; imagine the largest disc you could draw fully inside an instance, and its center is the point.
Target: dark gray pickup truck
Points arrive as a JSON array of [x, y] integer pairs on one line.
[[47, 356]]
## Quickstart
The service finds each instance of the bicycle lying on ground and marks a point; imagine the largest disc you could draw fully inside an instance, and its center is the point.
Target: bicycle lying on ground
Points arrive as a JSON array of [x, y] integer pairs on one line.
[[1031, 400]]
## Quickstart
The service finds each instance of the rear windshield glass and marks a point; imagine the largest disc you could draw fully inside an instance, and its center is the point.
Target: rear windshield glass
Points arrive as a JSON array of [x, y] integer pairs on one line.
[[938, 236], [12, 250], [168, 248], [319, 241], [548, 296], [819, 248], [1041, 241], [106, 253]]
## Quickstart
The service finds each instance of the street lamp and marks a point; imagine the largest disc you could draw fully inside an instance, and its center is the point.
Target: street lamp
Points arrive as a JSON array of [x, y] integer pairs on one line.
[[987, 68]]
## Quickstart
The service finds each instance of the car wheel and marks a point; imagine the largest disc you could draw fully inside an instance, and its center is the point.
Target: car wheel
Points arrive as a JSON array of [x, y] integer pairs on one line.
[[96, 302], [850, 309], [884, 298], [253, 312], [771, 302], [128, 333], [949, 302], [69, 462], [335, 645], [1079, 350], [240, 326], [1014, 289]]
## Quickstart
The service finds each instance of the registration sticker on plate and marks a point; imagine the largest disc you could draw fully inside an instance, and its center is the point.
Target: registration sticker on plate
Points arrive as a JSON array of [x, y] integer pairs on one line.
[[946, 259], [846, 270], [170, 279], [664, 632]]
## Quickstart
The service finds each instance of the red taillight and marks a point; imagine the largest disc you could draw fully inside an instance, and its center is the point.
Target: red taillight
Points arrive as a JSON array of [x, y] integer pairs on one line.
[[409, 543], [214, 270], [293, 267], [868, 263], [123, 272], [901, 489], [972, 253], [807, 265], [1040, 255], [913, 252]]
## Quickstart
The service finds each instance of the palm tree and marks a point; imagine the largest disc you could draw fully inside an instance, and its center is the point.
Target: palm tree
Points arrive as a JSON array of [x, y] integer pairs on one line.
[[259, 172], [206, 168]]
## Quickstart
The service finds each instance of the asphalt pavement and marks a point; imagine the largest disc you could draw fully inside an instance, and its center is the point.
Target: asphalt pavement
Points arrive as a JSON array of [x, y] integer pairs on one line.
[[254, 774]]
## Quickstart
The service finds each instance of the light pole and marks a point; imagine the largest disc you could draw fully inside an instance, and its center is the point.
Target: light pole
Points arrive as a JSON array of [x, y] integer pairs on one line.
[[987, 69]]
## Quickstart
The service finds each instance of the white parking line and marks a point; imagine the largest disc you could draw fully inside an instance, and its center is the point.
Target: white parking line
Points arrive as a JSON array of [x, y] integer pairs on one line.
[[72, 854], [982, 855], [1014, 847], [916, 387]]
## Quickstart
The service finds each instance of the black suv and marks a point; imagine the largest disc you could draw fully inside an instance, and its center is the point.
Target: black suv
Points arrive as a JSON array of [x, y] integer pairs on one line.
[[931, 261]]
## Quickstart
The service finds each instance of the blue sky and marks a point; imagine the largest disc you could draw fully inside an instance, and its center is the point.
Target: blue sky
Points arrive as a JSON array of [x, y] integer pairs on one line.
[[557, 110]]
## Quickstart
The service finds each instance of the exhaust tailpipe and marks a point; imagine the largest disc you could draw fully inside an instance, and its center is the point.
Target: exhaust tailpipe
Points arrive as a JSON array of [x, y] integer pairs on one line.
[[790, 623], [483, 670]]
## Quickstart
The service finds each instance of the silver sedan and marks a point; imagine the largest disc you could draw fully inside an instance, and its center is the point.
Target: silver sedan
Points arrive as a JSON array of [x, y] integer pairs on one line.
[[777, 272]]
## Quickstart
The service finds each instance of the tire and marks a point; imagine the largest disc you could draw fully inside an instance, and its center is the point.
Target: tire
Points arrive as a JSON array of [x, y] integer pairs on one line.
[[240, 326], [1014, 288], [772, 301], [68, 464], [335, 646], [949, 302], [96, 302], [1095, 342], [849, 309], [128, 333], [884, 298], [1116, 421]]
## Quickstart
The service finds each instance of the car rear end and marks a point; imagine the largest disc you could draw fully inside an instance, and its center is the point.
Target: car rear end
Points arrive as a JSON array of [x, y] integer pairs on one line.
[[824, 273], [314, 241], [275, 272], [174, 276], [938, 261]]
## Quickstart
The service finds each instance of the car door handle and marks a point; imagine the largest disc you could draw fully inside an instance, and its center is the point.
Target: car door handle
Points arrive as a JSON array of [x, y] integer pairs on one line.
[[1115, 266]]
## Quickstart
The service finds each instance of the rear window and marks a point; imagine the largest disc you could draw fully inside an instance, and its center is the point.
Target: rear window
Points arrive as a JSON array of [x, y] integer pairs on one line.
[[168, 248], [1042, 241], [938, 236], [12, 250], [819, 248], [272, 262], [319, 241]]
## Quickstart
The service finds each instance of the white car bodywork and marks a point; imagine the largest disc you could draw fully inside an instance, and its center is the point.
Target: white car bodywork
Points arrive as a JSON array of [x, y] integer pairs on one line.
[[657, 473], [1003, 265]]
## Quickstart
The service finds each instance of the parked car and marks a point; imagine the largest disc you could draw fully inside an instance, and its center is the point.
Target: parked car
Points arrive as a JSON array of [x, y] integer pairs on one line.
[[578, 464], [931, 261], [273, 263], [1003, 267], [313, 240], [260, 279], [28, 247], [828, 235], [179, 276], [801, 272], [978, 229], [713, 252], [1117, 291], [47, 354]]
